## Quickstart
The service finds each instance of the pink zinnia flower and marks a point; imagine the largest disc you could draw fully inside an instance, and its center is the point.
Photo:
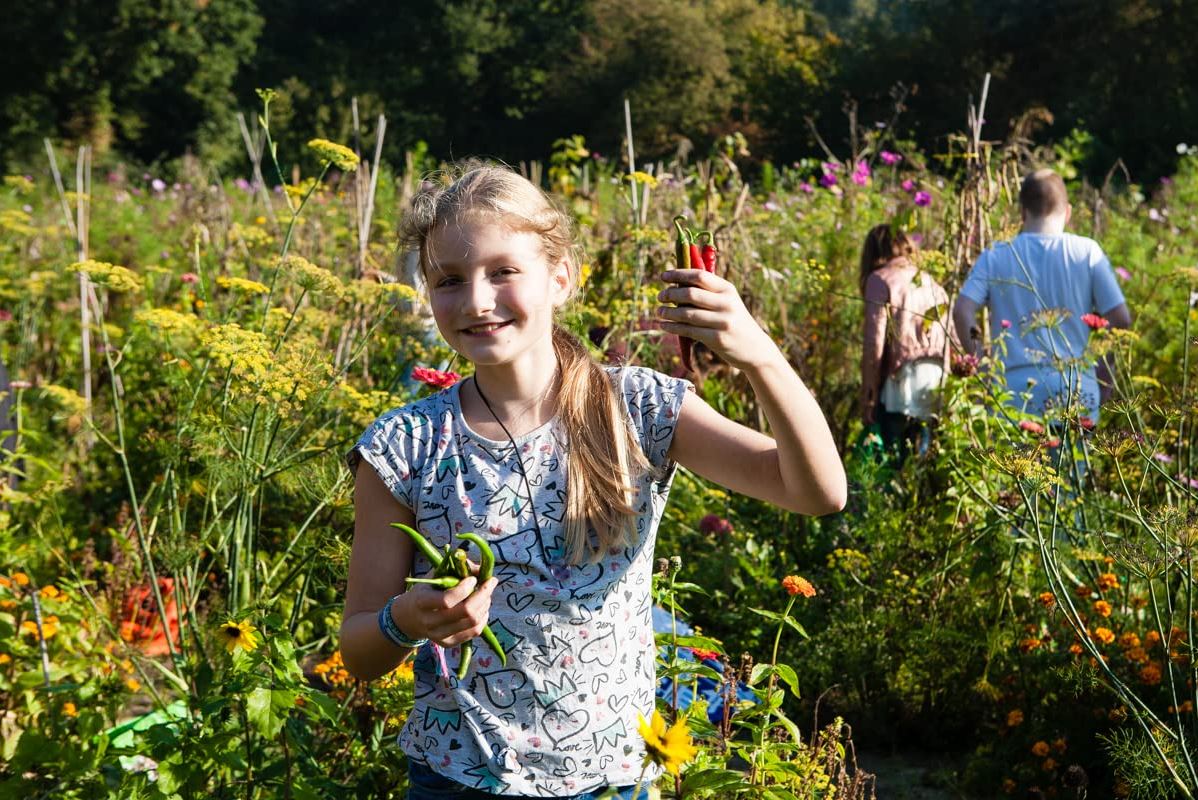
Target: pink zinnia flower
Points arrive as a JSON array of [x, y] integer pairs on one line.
[[435, 377], [189, 277], [713, 523], [5, 315], [831, 166], [923, 199], [908, 186], [1086, 423], [1122, 273], [1006, 323], [1031, 426], [806, 188], [1164, 458], [1052, 443], [965, 365], [889, 158], [861, 173], [1095, 322]]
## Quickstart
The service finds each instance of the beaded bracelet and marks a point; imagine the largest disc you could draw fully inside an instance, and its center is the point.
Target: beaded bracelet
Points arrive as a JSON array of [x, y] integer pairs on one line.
[[391, 630]]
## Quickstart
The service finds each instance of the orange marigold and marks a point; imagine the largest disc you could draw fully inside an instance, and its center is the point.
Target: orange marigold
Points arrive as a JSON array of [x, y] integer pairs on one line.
[[1047, 599], [793, 585], [1152, 639], [1082, 591], [1104, 635], [1150, 675], [1049, 765], [1108, 581], [1014, 718], [1137, 655], [1029, 644], [1102, 608], [1129, 640], [1059, 744], [1075, 649], [1040, 749]]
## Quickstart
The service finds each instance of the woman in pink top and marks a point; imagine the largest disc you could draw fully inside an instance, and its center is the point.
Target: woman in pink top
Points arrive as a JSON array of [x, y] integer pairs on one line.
[[905, 341]]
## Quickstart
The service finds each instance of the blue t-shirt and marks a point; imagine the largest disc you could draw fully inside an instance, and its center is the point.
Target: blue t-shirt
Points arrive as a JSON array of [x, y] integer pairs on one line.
[[1042, 284], [560, 718]]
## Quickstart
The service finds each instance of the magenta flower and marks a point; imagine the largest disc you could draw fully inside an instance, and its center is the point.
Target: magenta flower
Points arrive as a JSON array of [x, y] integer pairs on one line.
[[189, 277], [1006, 324], [889, 158], [923, 199], [861, 173], [1122, 273], [806, 188], [827, 180], [712, 524], [832, 166], [1164, 458], [5, 315], [908, 186]]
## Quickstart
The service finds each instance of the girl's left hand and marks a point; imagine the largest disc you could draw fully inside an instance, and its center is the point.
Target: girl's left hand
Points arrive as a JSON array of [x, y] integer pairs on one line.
[[717, 317]]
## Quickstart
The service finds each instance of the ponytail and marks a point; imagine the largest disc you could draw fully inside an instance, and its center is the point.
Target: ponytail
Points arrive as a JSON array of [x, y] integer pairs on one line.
[[605, 461]]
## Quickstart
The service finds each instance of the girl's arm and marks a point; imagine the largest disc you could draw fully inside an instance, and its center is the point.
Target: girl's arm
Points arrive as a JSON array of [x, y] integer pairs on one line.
[[799, 469], [380, 560]]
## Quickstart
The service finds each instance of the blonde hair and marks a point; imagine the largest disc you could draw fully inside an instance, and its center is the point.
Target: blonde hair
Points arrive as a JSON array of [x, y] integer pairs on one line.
[[604, 459]]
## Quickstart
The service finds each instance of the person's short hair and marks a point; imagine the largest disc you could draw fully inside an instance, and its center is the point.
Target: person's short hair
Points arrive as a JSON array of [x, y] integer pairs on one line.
[[1043, 193]]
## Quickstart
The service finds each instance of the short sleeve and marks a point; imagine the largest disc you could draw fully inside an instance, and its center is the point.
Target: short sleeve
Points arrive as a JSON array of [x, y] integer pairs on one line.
[[654, 401], [977, 285], [1105, 291], [391, 445]]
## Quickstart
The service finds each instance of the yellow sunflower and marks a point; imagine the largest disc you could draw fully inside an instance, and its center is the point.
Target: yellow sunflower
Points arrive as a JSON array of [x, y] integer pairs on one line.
[[667, 747], [238, 634]]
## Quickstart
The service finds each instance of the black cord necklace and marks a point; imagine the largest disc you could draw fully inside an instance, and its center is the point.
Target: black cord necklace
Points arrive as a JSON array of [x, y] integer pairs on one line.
[[532, 507]]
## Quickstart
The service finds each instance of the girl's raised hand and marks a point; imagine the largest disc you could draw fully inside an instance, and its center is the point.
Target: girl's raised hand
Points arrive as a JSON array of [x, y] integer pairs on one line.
[[708, 309]]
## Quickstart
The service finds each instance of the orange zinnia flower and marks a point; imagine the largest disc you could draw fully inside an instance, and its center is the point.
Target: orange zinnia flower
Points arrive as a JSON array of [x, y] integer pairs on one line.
[[793, 585]]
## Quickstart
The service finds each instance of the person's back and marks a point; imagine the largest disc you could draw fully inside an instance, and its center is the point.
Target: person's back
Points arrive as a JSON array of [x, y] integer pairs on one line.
[[1038, 288]]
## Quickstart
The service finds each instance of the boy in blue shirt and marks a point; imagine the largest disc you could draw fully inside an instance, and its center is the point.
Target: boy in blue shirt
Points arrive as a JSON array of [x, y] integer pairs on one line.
[[1037, 288]]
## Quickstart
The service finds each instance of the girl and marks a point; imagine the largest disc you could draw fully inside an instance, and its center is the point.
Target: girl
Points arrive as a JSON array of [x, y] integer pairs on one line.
[[905, 349], [563, 466]]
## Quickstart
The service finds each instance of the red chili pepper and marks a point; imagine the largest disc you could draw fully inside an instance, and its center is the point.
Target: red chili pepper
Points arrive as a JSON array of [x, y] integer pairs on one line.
[[708, 253], [697, 258]]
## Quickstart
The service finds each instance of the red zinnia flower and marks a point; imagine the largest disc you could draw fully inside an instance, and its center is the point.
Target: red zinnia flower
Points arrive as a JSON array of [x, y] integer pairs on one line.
[[1031, 427], [713, 523], [434, 377], [1095, 322], [1086, 423], [704, 655]]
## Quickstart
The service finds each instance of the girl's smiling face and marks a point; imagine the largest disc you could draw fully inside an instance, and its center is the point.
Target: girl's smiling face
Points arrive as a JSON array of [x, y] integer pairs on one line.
[[492, 290]]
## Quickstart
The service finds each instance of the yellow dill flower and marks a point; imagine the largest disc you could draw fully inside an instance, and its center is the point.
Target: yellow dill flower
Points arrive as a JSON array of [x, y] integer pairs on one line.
[[238, 634], [338, 155], [251, 235], [667, 747], [242, 285], [643, 178], [19, 182], [116, 278], [311, 277], [17, 221], [71, 401], [298, 191], [167, 320]]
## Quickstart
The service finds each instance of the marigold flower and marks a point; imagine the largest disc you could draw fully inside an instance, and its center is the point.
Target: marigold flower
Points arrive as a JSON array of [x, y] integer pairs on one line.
[[1076, 649], [1040, 749], [1102, 608], [49, 627], [1136, 655], [1150, 674], [1009, 786], [50, 591], [1059, 745], [335, 154], [1049, 765], [1151, 639], [1129, 640], [667, 747], [1029, 644], [793, 584], [1081, 591], [1104, 635], [238, 634], [1047, 599], [1014, 718], [1108, 581], [69, 710], [132, 684], [435, 377]]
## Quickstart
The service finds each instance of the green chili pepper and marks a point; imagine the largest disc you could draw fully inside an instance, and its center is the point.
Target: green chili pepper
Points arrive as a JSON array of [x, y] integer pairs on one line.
[[486, 556], [447, 582], [426, 547], [682, 255]]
